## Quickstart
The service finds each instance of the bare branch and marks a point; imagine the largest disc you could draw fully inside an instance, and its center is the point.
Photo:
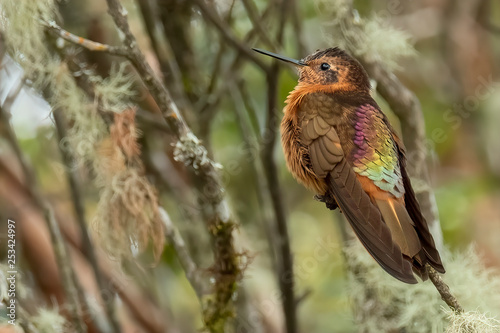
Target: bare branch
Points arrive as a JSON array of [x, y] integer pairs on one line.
[[85, 43], [158, 90], [285, 261], [256, 167], [284, 258], [172, 74], [257, 24], [443, 290], [208, 103], [297, 27], [71, 287], [224, 30], [68, 278], [252, 112], [87, 246], [187, 263]]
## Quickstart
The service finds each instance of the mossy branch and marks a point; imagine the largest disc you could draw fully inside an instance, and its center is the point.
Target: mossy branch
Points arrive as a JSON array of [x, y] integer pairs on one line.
[[189, 150], [215, 208]]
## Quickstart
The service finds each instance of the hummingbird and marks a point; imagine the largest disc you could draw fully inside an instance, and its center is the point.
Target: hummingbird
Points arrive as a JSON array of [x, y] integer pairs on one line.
[[338, 143]]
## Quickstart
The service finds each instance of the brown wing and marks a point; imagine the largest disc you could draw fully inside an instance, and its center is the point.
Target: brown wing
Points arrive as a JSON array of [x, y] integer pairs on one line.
[[328, 162], [413, 208]]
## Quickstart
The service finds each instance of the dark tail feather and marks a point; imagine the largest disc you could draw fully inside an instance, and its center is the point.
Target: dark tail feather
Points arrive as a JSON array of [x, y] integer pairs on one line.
[[367, 222], [419, 266], [421, 227]]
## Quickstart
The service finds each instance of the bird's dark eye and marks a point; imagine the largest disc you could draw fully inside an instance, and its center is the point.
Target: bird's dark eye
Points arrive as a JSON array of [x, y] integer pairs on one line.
[[324, 66]]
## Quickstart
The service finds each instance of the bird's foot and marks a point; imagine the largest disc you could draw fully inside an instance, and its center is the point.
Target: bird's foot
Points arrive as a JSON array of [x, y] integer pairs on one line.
[[328, 200]]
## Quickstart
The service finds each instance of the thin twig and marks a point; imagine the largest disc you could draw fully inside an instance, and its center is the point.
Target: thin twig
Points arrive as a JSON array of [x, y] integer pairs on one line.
[[87, 246], [228, 19], [218, 58], [224, 30], [209, 103], [159, 92], [85, 43], [283, 11], [297, 27], [11, 135], [187, 263], [208, 117], [443, 290], [246, 133], [162, 49], [68, 277], [252, 112], [253, 15], [285, 260], [71, 287]]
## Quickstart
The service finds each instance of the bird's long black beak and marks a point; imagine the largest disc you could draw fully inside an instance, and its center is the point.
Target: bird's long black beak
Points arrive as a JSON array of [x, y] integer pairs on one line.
[[280, 57]]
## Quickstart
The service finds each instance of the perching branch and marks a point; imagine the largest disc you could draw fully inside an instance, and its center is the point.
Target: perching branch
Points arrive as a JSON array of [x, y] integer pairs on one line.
[[443, 290]]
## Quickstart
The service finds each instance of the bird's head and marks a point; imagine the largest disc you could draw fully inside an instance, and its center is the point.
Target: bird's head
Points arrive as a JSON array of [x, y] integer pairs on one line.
[[332, 68]]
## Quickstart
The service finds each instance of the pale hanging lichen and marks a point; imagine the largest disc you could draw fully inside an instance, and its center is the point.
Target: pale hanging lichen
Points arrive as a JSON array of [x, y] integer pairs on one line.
[[388, 303], [50, 321], [25, 37], [383, 42], [127, 213], [114, 92], [88, 127], [471, 322], [374, 39]]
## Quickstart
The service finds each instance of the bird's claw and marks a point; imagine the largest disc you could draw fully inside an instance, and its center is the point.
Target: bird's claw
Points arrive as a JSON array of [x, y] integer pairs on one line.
[[328, 200]]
